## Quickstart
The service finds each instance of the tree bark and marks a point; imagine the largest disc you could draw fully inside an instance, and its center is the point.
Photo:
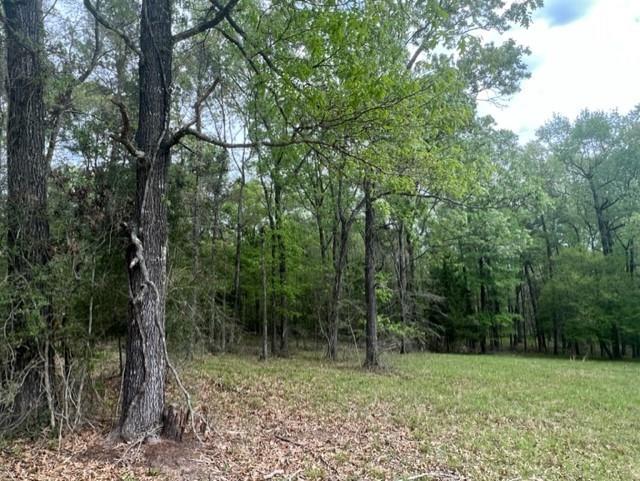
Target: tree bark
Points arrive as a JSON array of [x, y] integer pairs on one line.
[[340, 239], [411, 278], [484, 301], [27, 172], [632, 258], [274, 306], [275, 211], [282, 269], [144, 374]]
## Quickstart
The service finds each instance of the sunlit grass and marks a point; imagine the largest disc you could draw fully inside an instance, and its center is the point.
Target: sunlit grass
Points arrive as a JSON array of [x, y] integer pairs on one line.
[[490, 417]]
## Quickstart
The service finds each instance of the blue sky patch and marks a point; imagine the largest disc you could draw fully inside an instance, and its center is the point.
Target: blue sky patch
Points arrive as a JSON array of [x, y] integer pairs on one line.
[[564, 12], [533, 62]]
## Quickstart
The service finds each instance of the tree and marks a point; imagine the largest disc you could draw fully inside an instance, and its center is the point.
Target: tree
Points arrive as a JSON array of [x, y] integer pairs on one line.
[[144, 376], [597, 152], [27, 171]]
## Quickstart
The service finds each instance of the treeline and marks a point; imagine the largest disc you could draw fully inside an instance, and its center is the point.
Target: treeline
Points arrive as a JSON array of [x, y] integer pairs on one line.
[[192, 176], [555, 271]]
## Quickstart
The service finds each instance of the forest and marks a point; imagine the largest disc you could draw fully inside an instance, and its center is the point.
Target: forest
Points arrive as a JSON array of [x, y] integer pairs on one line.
[[284, 183]]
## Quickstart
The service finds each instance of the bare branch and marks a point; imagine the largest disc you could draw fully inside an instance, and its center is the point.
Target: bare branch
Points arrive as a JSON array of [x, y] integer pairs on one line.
[[125, 132], [206, 25], [205, 95], [243, 35], [102, 20], [97, 50], [187, 130], [64, 100]]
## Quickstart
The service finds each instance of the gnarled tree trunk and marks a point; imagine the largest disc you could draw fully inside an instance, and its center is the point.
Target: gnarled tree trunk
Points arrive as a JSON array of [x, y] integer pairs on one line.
[[144, 374]]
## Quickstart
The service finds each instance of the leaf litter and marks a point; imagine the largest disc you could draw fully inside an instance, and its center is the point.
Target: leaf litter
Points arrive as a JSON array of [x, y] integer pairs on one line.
[[255, 432]]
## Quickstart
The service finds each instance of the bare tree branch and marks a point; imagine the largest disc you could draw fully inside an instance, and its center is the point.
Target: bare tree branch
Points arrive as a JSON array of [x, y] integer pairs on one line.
[[205, 95], [106, 24], [64, 100], [206, 25], [125, 132], [243, 35]]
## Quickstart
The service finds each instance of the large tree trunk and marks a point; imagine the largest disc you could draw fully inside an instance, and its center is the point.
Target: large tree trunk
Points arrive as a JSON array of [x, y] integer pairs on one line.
[[371, 360], [27, 171], [144, 376]]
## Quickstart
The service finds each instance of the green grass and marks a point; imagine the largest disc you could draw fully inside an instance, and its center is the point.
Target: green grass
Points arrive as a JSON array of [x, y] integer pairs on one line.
[[490, 417]]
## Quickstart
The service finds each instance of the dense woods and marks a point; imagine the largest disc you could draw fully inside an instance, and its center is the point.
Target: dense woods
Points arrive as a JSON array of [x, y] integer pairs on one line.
[[186, 177]]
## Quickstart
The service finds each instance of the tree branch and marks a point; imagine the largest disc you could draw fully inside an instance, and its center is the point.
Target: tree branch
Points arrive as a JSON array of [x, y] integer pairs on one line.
[[106, 24], [187, 130], [125, 132], [64, 100], [206, 25], [243, 35], [205, 95]]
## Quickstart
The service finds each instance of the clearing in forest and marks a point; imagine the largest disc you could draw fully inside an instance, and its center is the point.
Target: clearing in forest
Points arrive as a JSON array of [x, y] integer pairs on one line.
[[431, 417]]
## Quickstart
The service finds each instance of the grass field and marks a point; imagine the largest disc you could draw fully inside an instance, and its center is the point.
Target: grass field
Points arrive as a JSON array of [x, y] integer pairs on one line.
[[488, 417], [428, 417]]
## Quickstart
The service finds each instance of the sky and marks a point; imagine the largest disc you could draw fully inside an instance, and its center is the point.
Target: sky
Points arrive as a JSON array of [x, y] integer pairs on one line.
[[584, 55]]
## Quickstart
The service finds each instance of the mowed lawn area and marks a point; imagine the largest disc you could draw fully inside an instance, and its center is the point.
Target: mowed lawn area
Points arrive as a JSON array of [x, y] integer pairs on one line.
[[487, 417]]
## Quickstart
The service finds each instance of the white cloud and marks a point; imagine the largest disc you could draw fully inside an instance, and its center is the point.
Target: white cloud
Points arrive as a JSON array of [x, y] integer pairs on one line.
[[593, 62]]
